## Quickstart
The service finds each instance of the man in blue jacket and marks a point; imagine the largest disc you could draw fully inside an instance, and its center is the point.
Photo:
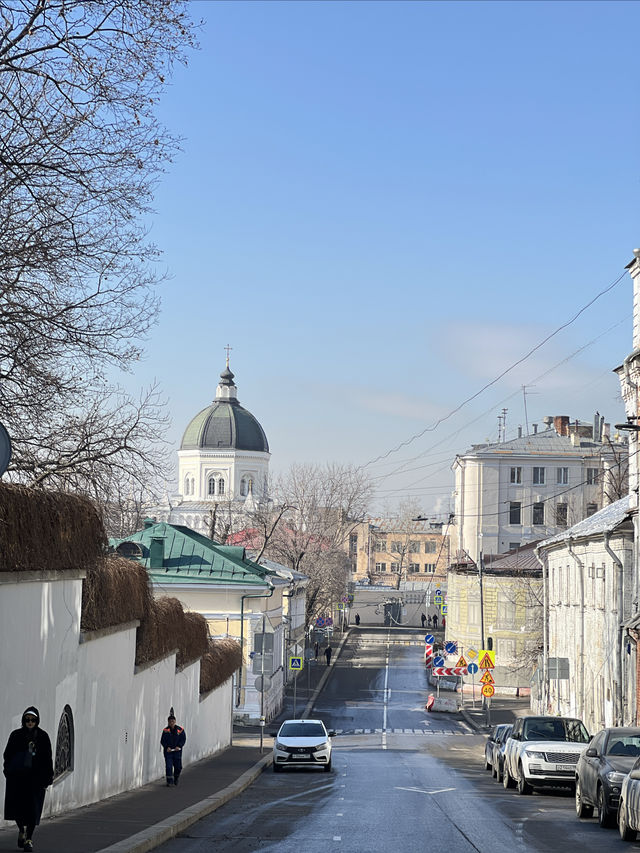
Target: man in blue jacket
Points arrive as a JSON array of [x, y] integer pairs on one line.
[[172, 740]]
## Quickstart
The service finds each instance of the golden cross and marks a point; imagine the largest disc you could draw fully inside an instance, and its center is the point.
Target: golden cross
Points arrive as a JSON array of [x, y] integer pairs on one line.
[[228, 349]]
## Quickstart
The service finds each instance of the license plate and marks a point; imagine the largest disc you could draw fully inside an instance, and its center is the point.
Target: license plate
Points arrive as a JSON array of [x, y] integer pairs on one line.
[[565, 768], [303, 755]]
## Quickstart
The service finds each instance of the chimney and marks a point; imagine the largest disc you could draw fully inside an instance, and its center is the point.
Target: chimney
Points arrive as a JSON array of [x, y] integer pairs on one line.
[[519, 432], [547, 421], [607, 430], [535, 428], [601, 430], [561, 424], [156, 552]]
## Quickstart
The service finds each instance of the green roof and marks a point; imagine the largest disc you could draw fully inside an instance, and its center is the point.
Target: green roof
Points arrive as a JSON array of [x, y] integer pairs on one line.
[[182, 556]]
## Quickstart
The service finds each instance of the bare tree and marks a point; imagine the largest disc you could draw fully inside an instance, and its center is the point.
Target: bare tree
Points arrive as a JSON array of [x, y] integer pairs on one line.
[[323, 505], [80, 151]]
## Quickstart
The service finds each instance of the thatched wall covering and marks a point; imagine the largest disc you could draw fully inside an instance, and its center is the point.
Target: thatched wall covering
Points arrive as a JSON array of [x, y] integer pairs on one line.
[[114, 591], [47, 530], [219, 663]]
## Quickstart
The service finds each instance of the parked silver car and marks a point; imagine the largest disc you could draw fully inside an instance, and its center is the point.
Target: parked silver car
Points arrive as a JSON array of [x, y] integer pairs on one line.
[[495, 741], [601, 770], [629, 806]]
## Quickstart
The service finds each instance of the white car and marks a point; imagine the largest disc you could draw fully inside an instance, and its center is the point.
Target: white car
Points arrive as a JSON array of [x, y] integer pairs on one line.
[[302, 743], [628, 809]]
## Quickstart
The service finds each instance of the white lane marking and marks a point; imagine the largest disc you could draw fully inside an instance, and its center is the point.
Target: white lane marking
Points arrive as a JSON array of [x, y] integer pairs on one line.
[[337, 838], [339, 814], [421, 791], [302, 794]]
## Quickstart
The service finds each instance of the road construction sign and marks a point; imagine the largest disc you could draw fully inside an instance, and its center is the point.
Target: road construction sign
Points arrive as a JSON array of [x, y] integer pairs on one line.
[[487, 678], [487, 659], [461, 661], [488, 690], [295, 662]]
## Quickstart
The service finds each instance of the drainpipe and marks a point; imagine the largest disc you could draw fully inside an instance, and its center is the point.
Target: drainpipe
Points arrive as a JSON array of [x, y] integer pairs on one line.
[[242, 598], [619, 715], [545, 632], [580, 691]]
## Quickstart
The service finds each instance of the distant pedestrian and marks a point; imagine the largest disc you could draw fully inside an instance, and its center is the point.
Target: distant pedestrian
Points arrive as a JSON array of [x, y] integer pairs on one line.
[[435, 620], [327, 654], [357, 618], [423, 619], [28, 767], [172, 740], [316, 649], [444, 622]]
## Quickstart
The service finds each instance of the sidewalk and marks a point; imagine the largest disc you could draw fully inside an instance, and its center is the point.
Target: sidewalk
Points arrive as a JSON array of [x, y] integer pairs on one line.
[[142, 819], [504, 709]]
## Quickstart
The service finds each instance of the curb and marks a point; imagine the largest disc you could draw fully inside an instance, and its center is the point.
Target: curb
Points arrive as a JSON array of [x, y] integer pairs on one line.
[[154, 836]]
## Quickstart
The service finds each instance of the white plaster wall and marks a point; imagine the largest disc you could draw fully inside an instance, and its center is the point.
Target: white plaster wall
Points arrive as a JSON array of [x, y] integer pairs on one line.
[[118, 713]]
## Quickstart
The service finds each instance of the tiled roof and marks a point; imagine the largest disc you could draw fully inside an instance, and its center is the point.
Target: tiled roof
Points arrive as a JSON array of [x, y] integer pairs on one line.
[[600, 522], [190, 557]]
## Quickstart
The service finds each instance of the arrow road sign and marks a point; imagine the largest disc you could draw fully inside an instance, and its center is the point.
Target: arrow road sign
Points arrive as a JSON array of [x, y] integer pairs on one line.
[[438, 660], [472, 668], [451, 647], [451, 671], [430, 639]]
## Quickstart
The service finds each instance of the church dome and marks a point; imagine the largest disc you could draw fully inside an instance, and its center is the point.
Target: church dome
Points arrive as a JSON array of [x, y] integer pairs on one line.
[[225, 424]]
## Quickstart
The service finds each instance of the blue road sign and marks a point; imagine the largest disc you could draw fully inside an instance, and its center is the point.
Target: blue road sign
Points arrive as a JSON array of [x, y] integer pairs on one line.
[[450, 647], [438, 660], [472, 668], [438, 591], [430, 639]]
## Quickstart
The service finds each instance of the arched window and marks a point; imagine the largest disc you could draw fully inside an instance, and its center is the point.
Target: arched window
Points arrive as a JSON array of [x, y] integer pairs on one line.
[[212, 485], [243, 486], [249, 485], [221, 486], [186, 485], [64, 744], [193, 485]]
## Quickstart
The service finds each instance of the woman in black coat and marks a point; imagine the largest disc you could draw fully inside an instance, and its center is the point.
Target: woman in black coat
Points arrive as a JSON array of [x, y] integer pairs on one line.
[[28, 768]]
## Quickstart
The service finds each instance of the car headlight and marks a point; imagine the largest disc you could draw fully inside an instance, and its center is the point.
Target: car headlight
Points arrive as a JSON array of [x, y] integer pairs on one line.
[[280, 746], [616, 778], [533, 754], [321, 747]]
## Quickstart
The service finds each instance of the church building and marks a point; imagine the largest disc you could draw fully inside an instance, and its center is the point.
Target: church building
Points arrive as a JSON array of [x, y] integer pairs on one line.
[[223, 459]]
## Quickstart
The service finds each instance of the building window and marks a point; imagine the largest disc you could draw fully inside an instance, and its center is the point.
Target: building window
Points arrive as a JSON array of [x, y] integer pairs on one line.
[[395, 567], [64, 743], [513, 546], [381, 567], [212, 486], [430, 568], [430, 546], [186, 486], [592, 509], [538, 476], [380, 545], [243, 487], [414, 547], [561, 515], [414, 567], [516, 475], [505, 649], [396, 547], [514, 512], [473, 612], [562, 476], [592, 476], [353, 543], [538, 513], [221, 486], [506, 614]]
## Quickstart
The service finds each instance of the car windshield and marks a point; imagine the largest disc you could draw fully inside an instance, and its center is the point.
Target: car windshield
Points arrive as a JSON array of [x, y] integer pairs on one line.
[[555, 729], [628, 745], [302, 730]]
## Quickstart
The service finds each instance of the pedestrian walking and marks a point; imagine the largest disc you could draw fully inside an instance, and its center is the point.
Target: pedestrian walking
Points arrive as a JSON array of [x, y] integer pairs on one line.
[[357, 618], [327, 654], [435, 620], [28, 768], [444, 622], [423, 619], [316, 649], [172, 740]]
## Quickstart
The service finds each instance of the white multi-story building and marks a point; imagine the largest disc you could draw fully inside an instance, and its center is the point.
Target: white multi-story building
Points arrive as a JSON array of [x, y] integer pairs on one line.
[[534, 486]]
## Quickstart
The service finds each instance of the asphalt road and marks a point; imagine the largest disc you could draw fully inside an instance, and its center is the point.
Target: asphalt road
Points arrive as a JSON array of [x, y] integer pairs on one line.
[[402, 779]]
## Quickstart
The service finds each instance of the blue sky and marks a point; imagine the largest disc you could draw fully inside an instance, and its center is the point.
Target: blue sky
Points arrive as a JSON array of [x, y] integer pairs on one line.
[[381, 206]]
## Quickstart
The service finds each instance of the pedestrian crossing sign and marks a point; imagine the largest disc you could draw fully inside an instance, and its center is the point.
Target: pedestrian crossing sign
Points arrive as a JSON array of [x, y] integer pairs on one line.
[[487, 659], [295, 663]]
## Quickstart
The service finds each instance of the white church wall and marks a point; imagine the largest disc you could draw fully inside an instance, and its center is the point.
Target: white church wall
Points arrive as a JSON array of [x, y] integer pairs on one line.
[[118, 712]]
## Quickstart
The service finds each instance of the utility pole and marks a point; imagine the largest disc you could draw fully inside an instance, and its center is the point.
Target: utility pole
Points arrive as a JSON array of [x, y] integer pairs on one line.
[[262, 685], [487, 702]]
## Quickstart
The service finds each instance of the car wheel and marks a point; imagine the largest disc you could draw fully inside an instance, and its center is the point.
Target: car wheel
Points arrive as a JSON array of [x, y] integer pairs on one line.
[[524, 788], [499, 772], [582, 809], [507, 781], [494, 771], [487, 764], [327, 767], [626, 833], [605, 818]]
